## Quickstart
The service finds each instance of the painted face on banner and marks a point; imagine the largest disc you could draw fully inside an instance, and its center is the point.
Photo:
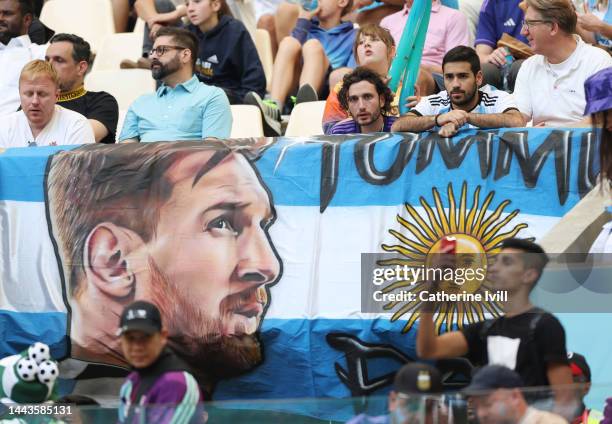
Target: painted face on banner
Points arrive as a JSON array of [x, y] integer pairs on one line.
[[211, 258]]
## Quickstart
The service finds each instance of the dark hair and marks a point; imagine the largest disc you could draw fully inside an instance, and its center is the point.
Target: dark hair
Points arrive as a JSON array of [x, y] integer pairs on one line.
[[605, 148], [348, 8], [26, 7], [364, 74], [534, 257], [462, 54], [81, 51], [224, 10], [183, 38]]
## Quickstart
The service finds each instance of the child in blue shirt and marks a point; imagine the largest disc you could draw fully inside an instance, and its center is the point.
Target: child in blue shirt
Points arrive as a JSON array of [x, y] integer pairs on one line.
[[320, 42]]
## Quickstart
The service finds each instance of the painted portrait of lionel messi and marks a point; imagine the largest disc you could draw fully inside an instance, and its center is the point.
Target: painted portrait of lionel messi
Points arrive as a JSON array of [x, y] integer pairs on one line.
[[183, 225]]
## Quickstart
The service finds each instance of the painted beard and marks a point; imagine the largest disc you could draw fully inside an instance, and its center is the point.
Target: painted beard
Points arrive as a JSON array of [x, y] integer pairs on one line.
[[198, 338]]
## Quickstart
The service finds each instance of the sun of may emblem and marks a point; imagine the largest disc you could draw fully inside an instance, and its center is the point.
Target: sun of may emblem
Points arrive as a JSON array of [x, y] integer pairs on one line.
[[478, 232]]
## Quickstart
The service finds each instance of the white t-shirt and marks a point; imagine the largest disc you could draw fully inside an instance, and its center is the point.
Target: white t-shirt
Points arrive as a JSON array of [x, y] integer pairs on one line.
[[66, 127], [554, 93], [491, 101], [13, 57]]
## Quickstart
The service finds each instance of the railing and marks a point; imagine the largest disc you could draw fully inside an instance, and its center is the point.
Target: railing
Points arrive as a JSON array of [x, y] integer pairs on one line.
[[447, 408]]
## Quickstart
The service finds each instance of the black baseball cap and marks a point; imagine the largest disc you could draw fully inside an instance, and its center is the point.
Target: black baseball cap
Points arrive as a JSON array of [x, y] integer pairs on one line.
[[415, 378], [493, 377], [140, 316], [579, 366]]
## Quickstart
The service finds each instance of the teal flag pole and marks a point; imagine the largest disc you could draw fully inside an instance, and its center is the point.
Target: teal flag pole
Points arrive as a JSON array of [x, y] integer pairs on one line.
[[405, 66]]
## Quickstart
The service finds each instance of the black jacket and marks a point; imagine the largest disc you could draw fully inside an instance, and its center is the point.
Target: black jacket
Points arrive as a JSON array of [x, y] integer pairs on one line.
[[227, 58]]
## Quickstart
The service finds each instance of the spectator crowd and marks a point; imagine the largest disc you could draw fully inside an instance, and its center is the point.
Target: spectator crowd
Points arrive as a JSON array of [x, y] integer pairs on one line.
[[540, 63]]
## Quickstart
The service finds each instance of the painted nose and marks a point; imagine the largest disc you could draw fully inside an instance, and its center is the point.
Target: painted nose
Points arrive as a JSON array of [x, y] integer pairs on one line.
[[258, 263]]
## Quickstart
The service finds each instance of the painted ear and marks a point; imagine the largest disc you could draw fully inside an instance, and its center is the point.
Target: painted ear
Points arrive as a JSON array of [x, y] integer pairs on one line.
[[106, 259]]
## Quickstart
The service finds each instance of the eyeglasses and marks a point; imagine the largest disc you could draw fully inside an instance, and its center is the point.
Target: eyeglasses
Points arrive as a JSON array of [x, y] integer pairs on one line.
[[161, 50], [528, 23]]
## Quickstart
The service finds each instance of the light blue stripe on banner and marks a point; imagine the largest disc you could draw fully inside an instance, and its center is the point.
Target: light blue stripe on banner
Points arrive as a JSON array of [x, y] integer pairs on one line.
[[22, 172], [292, 170], [18, 330]]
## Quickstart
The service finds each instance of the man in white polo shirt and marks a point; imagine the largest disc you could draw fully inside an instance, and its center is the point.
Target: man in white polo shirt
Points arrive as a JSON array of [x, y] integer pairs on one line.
[[16, 49], [41, 122], [550, 85]]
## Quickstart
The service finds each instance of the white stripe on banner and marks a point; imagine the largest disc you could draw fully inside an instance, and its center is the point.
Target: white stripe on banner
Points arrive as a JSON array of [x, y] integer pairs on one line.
[[29, 273], [321, 256]]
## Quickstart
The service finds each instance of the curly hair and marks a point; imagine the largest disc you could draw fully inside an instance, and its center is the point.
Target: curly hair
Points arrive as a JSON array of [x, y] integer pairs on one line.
[[605, 151], [363, 74]]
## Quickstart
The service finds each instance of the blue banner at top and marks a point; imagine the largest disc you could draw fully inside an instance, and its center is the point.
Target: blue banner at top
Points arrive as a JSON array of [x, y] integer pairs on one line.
[[555, 166]]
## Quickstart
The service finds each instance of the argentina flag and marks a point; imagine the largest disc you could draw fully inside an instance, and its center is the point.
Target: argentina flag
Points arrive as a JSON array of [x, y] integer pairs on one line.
[[254, 249]]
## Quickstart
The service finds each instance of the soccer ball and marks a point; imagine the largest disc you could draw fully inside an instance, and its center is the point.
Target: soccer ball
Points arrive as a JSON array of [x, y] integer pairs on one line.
[[26, 369], [39, 352], [47, 372]]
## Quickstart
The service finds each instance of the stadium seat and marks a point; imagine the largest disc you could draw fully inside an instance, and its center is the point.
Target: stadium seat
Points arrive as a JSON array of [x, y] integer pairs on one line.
[[125, 84], [264, 50], [305, 120], [115, 48], [139, 28], [91, 19], [246, 122]]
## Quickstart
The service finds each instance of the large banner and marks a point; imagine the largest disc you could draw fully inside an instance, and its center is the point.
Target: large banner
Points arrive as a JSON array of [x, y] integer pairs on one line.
[[253, 248]]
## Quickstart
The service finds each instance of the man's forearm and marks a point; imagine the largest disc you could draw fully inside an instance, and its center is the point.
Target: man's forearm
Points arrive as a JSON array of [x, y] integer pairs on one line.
[[426, 336], [496, 120], [413, 123]]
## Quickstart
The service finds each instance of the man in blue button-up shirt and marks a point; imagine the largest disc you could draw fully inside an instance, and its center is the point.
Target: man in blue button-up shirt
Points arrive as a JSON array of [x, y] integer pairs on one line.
[[183, 108]]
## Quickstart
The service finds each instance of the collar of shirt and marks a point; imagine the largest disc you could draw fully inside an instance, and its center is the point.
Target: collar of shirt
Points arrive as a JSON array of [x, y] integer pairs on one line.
[[190, 85], [573, 63], [435, 7], [21, 41]]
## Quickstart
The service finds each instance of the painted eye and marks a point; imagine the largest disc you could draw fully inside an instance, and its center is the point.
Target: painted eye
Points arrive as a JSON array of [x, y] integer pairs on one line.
[[222, 223]]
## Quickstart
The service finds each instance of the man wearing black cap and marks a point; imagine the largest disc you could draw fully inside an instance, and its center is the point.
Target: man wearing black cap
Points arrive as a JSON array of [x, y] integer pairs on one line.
[[526, 339], [160, 389], [496, 396], [581, 374], [416, 393]]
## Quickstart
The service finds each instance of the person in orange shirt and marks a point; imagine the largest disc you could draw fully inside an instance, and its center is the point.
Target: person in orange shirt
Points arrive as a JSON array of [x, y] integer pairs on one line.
[[374, 49]]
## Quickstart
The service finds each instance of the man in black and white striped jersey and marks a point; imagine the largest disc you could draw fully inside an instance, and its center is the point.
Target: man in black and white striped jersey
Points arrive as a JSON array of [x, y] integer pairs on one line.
[[464, 103]]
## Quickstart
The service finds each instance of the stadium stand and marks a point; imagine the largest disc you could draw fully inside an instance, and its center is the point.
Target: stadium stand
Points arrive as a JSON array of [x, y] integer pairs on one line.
[[95, 19], [306, 119], [246, 122], [116, 47], [124, 84], [264, 49]]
